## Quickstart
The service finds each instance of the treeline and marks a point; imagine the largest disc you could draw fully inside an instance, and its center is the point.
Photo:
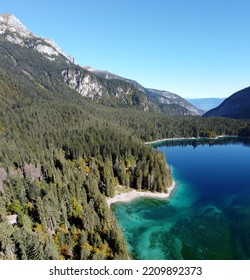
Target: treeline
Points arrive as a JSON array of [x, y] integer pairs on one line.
[[149, 126]]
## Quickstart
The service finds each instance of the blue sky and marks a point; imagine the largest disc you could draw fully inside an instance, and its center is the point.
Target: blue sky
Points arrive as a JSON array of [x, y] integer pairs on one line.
[[195, 48]]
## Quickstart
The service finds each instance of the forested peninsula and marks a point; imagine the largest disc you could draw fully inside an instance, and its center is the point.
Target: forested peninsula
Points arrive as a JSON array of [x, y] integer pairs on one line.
[[62, 154]]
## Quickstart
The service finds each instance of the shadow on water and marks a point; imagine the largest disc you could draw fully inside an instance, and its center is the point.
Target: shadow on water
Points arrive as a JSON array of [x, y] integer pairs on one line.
[[204, 141]]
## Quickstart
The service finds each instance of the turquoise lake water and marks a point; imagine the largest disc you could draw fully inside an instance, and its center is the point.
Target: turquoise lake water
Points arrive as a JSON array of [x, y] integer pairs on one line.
[[208, 213]]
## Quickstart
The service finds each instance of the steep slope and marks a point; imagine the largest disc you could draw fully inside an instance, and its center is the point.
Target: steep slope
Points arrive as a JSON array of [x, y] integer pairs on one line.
[[108, 92], [170, 101], [118, 93], [167, 103], [236, 106]]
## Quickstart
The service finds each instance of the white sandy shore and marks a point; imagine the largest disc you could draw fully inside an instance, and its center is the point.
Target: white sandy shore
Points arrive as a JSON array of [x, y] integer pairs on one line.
[[132, 195], [188, 138]]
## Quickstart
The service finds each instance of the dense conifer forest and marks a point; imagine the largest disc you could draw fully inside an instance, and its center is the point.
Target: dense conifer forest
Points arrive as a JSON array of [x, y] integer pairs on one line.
[[62, 154]]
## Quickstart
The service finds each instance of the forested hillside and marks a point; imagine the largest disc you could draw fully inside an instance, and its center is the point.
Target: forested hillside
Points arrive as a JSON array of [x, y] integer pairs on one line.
[[60, 158], [62, 154]]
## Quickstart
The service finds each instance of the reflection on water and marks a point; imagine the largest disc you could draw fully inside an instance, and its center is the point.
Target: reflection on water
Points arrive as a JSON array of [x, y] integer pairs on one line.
[[208, 214]]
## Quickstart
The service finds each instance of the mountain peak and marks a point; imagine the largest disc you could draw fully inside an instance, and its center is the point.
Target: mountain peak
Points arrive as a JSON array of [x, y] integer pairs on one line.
[[15, 32], [7, 15], [9, 22]]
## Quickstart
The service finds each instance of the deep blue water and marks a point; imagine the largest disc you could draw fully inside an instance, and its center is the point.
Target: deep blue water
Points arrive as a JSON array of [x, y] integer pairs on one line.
[[207, 215]]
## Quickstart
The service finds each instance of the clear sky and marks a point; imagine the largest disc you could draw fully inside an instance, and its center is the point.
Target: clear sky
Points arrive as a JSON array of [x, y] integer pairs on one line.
[[194, 48]]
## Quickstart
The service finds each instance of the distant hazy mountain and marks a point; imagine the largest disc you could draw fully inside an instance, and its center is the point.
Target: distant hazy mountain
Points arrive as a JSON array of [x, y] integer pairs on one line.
[[206, 104], [236, 106]]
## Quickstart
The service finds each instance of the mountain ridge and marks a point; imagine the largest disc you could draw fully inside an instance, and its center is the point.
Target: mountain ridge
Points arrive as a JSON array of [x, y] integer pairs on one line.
[[163, 98], [96, 84], [235, 106]]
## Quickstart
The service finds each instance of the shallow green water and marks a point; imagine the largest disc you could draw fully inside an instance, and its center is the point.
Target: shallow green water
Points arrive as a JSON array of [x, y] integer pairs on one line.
[[207, 215]]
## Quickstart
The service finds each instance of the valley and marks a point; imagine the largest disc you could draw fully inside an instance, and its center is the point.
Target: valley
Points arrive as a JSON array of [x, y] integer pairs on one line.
[[69, 138]]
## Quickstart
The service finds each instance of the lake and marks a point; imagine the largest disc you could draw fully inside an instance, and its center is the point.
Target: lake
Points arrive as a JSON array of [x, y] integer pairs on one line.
[[208, 214]]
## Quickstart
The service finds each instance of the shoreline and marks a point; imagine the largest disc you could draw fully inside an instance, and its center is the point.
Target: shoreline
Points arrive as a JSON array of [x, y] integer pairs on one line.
[[134, 194], [189, 138]]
